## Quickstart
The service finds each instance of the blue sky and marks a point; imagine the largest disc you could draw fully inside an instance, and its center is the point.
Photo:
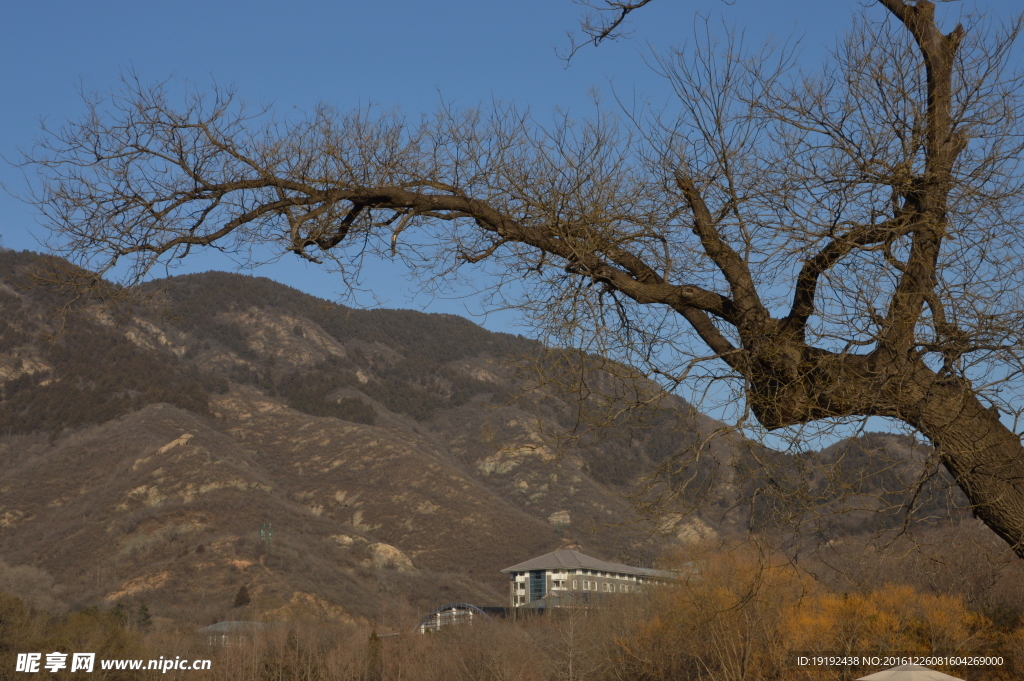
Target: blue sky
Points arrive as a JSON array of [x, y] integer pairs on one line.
[[346, 53]]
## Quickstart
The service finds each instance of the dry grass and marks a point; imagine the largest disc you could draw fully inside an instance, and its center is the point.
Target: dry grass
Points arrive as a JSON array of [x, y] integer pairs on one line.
[[741, 619]]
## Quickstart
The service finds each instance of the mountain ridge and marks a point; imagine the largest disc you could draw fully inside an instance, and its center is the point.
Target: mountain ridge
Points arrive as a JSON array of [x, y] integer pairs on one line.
[[397, 456], [430, 476]]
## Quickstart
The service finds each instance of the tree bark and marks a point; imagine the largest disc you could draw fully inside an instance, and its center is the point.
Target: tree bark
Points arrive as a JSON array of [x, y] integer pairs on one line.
[[983, 456]]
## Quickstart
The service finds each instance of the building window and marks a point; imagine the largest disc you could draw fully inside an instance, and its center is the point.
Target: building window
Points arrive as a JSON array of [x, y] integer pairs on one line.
[[538, 585], [575, 584]]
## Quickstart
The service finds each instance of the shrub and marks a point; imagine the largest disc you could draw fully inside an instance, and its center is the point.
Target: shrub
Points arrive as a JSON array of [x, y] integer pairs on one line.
[[242, 597]]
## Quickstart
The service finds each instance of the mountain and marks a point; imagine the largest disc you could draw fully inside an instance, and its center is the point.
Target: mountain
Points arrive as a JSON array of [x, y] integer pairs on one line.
[[395, 456], [224, 431]]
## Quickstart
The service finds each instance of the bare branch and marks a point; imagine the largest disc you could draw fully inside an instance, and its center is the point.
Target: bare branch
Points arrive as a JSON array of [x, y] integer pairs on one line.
[[877, 204]]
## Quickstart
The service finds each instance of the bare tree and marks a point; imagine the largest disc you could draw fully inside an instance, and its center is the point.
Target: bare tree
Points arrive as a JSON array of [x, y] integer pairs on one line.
[[602, 22], [837, 245]]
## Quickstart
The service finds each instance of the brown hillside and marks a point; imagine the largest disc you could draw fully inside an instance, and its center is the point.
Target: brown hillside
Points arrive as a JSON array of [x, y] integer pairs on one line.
[[384, 448], [398, 456]]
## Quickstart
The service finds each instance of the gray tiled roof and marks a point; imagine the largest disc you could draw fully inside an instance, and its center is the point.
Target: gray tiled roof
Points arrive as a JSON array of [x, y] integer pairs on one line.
[[234, 626], [569, 559]]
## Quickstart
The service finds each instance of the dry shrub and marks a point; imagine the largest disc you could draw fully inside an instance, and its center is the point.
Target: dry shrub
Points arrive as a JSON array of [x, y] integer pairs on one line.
[[33, 585], [743, 614], [736, 614], [723, 620], [898, 619], [26, 630], [891, 619], [494, 650]]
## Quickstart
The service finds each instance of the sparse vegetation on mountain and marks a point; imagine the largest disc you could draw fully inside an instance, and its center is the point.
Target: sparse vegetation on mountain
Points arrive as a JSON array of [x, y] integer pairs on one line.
[[340, 441], [95, 376], [836, 246]]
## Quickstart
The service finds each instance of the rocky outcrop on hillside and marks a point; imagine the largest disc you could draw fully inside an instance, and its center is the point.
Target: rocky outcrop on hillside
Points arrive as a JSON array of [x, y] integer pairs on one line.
[[236, 432], [230, 431]]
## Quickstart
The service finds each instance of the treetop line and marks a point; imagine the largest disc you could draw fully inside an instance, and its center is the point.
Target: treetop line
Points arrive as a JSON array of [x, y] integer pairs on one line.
[[882, 194]]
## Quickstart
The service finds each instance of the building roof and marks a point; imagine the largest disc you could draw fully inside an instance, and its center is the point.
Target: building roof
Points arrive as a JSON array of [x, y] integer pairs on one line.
[[572, 560], [235, 626]]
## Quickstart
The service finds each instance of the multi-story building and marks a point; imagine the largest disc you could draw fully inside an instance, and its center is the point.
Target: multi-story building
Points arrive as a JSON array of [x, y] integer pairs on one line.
[[563, 575]]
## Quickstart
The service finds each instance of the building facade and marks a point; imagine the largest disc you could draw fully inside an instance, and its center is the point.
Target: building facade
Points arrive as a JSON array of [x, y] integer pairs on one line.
[[449, 614], [565, 575]]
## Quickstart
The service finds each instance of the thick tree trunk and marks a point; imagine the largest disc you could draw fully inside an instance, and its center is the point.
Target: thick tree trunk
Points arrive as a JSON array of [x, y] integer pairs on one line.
[[984, 457], [789, 385]]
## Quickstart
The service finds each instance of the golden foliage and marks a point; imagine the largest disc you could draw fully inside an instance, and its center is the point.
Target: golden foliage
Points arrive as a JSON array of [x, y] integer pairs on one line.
[[742, 614]]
